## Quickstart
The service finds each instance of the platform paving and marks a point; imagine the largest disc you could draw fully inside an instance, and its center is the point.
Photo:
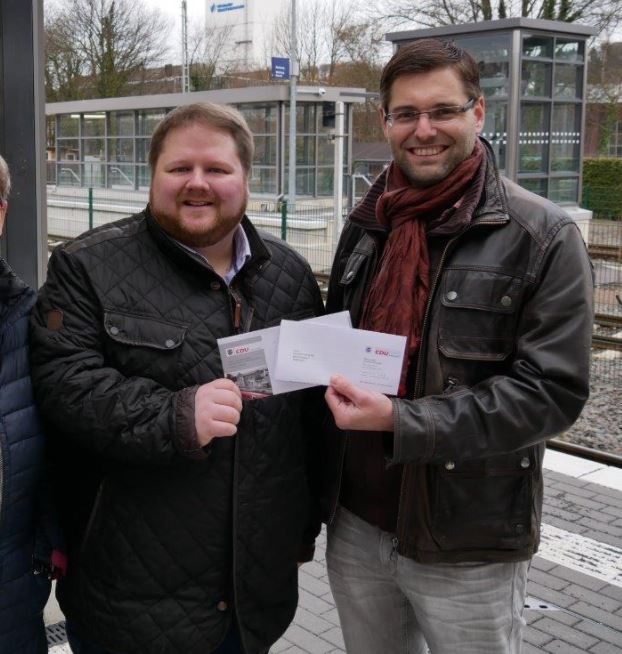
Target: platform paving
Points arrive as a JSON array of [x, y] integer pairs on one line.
[[574, 602]]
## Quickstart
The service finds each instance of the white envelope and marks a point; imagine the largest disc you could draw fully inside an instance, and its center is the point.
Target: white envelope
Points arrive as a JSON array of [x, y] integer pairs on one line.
[[310, 352]]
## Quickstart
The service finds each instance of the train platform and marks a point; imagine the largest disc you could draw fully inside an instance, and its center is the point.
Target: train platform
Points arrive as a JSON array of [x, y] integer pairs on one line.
[[574, 596]]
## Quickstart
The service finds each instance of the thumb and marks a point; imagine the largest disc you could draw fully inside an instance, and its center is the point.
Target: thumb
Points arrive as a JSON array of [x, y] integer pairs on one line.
[[345, 387]]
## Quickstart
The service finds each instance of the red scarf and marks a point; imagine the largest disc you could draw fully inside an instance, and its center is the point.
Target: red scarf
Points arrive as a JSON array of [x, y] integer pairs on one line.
[[399, 292]]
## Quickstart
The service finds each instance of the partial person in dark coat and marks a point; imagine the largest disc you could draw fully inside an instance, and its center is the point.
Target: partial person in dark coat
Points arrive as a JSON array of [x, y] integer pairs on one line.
[[25, 522]]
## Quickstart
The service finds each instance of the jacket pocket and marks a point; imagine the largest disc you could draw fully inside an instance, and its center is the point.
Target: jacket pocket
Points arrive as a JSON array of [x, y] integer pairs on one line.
[[483, 504], [144, 346], [143, 331], [478, 314]]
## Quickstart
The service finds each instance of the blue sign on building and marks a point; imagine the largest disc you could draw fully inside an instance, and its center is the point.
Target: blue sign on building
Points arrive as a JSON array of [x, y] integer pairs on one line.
[[280, 68], [221, 7]]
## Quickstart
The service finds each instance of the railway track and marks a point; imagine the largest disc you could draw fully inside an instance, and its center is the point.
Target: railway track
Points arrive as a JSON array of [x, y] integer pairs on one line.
[[603, 251]]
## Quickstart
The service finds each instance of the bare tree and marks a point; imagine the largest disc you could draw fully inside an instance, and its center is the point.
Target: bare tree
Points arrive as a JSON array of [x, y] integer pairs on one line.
[[322, 26], [605, 90], [603, 14], [110, 42], [210, 55]]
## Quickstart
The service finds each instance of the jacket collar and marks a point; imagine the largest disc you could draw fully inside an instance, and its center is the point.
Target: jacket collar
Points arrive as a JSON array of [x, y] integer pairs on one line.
[[491, 203], [259, 250], [11, 286]]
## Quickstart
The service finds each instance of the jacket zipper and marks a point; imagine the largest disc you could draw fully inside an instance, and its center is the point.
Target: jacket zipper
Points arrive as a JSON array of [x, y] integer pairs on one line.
[[94, 511], [237, 329], [418, 390], [346, 437]]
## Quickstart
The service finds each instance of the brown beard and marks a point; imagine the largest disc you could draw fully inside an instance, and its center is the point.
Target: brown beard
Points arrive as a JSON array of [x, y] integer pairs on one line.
[[216, 232]]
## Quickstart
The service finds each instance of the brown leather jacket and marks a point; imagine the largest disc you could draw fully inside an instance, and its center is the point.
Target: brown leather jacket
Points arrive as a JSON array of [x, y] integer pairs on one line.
[[503, 366]]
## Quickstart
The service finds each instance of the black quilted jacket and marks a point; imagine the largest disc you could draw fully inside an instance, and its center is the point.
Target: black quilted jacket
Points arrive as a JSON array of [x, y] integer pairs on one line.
[[166, 538]]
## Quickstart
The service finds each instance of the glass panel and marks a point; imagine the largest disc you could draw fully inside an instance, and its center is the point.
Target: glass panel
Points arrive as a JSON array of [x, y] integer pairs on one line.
[[50, 172], [68, 174], [565, 138], [121, 123], [142, 150], [494, 78], [537, 186], [93, 150], [564, 190], [327, 117], [261, 119], [69, 125], [305, 181], [144, 177], [263, 180], [492, 53], [305, 118], [325, 177], [93, 174], [121, 150], [305, 150], [50, 132], [536, 79], [94, 124], [68, 149], [121, 176], [147, 121], [537, 46], [265, 150], [568, 80], [326, 151], [569, 49], [495, 130], [534, 138]]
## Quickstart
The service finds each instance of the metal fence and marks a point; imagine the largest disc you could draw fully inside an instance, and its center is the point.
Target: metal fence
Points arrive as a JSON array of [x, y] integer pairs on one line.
[[605, 248], [312, 228]]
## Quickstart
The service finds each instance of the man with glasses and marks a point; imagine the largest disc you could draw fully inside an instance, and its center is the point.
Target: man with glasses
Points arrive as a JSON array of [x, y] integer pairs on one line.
[[433, 498]]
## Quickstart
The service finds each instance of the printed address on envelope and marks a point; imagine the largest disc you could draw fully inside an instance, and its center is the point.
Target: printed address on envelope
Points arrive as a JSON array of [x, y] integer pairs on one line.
[[311, 353]]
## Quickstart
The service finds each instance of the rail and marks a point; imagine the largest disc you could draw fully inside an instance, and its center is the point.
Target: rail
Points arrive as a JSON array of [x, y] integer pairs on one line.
[[599, 456], [603, 251]]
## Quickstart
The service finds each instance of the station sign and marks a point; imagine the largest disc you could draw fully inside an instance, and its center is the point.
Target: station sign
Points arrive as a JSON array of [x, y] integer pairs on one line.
[[280, 68]]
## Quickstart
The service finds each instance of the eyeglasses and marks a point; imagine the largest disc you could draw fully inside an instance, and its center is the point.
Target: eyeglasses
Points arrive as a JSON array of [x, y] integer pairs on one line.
[[435, 116]]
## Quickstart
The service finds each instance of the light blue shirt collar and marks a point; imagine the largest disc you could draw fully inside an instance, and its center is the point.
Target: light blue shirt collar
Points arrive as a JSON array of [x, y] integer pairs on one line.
[[241, 253]]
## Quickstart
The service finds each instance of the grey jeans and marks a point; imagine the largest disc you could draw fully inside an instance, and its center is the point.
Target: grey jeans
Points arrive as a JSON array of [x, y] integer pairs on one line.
[[389, 604]]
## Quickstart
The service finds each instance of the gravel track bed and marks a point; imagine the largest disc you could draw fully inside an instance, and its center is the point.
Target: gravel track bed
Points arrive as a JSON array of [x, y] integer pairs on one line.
[[600, 424]]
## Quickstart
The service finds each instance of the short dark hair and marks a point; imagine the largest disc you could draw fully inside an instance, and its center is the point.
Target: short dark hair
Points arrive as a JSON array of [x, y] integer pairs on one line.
[[213, 115], [425, 55]]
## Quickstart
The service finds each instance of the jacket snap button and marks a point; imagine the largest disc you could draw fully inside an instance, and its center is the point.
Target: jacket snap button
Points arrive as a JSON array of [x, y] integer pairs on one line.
[[114, 331], [452, 295], [524, 462], [222, 605], [450, 465], [506, 301], [215, 286], [350, 274], [169, 343]]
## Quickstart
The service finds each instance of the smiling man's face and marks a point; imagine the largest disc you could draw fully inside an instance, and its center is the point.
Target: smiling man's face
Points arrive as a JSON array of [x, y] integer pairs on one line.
[[199, 188], [428, 152]]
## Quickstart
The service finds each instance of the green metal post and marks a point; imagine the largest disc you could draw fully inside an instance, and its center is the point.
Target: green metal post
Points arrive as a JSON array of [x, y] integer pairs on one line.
[[90, 207], [284, 220]]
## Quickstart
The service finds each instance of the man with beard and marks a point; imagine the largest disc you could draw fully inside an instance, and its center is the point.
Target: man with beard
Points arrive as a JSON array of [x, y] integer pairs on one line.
[[434, 498], [186, 507]]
